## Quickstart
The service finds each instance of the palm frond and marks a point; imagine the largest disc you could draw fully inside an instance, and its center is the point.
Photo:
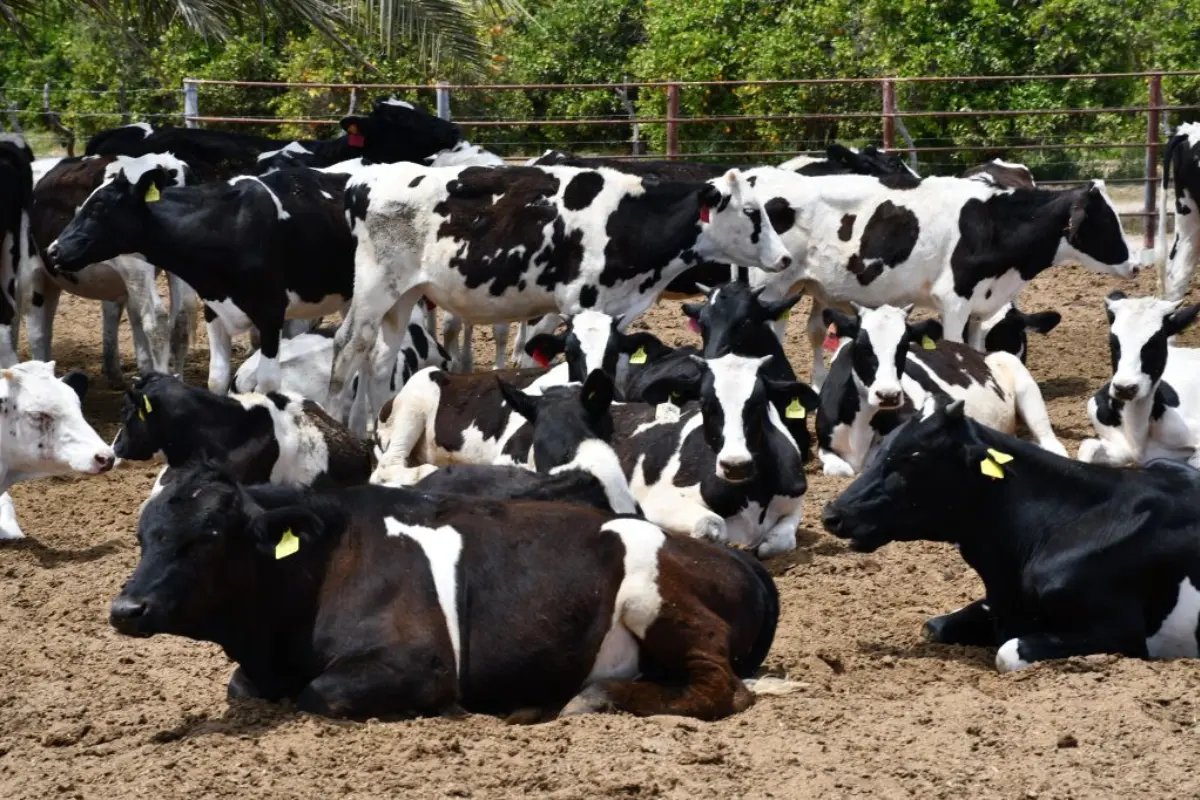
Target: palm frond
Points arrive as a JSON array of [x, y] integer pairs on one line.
[[438, 31]]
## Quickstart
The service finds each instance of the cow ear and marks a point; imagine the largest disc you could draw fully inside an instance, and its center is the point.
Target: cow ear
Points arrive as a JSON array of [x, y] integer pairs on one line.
[[692, 310], [78, 381], [787, 391], [1042, 321], [710, 197], [651, 346], [1078, 214], [733, 180], [597, 393], [846, 325], [545, 347], [149, 185], [776, 309], [1180, 320], [679, 386], [926, 327], [954, 411], [523, 404], [282, 532], [358, 122]]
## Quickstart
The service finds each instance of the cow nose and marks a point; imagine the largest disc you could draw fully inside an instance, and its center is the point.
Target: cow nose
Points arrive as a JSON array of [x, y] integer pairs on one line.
[[52, 251], [736, 471], [784, 263], [125, 609], [831, 520], [888, 399], [105, 461], [1124, 391]]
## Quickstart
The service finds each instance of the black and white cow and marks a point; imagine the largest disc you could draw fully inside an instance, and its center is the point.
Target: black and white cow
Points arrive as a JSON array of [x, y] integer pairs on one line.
[[277, 437], [571, 453], [43, 432], [510, 243], [256, 250], [960, 246], [160, 335], [16, 196], [1183, 154], [885, 368], [1006, 330], [727, 470], [1075, 558], [1151, 407], [1002, 174]]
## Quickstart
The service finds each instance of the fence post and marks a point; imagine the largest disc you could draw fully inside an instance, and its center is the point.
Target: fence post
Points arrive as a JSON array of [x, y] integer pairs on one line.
[[443, 100], [1153, 126], [672, 120], [191, 103], [889, 114]]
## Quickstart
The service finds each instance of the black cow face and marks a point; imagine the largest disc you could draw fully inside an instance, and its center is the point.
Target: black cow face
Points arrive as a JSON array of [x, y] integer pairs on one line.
[[1094, 233], [396, 130], [109, 223], [564, 416], [911, 488], [135, 441], [1139, 328], [1006, 330], [733, 316]]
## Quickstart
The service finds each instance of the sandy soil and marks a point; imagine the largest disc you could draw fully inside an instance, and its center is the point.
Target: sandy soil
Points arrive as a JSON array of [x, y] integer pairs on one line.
[[85, 713]]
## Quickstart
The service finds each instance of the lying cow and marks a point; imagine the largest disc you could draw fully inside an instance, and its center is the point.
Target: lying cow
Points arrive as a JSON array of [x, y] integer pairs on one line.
[[1151, 407], [886, 367], [1006, 330], [509, 243], [276, 437], [369, 587], [959, 245], [1075, 558], [574, 462], [43, 432], [1183, 154]]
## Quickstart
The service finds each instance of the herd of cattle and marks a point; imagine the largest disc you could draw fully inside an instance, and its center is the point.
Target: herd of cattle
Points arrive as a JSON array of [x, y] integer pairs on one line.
[[622, 500]]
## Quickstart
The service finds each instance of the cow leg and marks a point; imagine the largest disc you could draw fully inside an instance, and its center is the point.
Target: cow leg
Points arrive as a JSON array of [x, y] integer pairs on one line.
[[110, 359], [143, 347], [391, 684], [220, 353], [679, 515], [452, 327], [242, 688], [970, 625], [184, 305], [373, 380], [816, 330], [146, 309], [1032, 408], [1121, 635], [1185, 249], [781, 538], [42, 309], [269, 376], [374, 298], [500, 334], [688, 641], [9, 529]]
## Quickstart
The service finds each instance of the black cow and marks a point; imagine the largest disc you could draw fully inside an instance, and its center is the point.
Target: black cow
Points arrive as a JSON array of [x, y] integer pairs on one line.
[[1183, 154], [1075, 558], [379, 602], [256, 250], [278, 437], [16, 196]]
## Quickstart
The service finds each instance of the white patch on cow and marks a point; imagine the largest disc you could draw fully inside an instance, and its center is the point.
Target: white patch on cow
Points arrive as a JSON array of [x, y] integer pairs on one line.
[[885, 327], [145, 126], [593, 329], [799, 162], [392, 101], [734, 378], [9, 529], [1135, 321], [1007, 657], [326, 195], [43, 165], [1176, 637], [290, 147], [231, 315], [303, 450], [1184, 251], [638, 602], [596, 457], [133, 168], [350, 166], [274, 197], [443, 548], [465, 154]]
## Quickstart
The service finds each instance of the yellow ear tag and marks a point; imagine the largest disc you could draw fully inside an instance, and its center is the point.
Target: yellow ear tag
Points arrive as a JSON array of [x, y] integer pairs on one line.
[[785, 316], [288, 545], [990, 466], [928, 343], [998, 457], [146, 403], [794, 409], [152, 194], [638, 357]]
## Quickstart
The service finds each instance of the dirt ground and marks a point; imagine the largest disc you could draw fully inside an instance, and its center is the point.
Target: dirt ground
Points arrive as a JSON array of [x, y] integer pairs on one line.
[[86, 713]]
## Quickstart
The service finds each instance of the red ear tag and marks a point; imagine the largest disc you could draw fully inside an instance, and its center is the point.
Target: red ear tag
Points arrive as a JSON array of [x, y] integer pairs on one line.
[[693, 326], [357, 139], [831, 340], [541, 359], [432, 305], [705, 214]]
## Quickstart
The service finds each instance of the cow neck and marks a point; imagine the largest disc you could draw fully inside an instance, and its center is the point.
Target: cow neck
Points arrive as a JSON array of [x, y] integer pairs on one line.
[[1040, 215], [678, 240], [184, 238], [227, 424], [1135, 422], [328, 152]]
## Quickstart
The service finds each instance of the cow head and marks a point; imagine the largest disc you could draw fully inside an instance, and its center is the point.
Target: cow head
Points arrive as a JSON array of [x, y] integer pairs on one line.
[[593, 341], [1139, 328], [741, 424], [111, 221], [202, 538], [734, 227], [879, 349], [397, 130], [916, 486], [1093, 236], [564, 416], [1006, 330], [142, 412], [734, 316], [42, 425]]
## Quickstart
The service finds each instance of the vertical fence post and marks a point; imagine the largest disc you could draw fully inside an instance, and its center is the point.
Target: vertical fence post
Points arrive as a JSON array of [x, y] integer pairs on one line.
[[889, 114], [1152, 133], [191, 103], [443, 100], [672, 120]]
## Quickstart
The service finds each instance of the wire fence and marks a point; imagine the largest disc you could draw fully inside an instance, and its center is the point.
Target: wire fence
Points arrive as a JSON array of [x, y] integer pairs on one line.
[[1065, 127]]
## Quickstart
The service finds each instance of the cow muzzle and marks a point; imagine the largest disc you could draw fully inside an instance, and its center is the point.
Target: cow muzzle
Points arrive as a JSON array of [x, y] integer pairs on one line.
[[735, 470], [129, 616], [1124, 391], [887, 398]]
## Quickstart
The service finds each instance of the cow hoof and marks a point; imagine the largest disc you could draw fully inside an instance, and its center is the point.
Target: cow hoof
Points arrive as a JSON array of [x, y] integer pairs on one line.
[[711, 528], [836, 470], [591, 700]]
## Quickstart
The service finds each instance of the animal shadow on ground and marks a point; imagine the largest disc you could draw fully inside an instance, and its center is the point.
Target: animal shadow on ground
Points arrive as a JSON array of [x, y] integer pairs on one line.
[[982, 657], [50, 557], [1064, 387], [252, 718]]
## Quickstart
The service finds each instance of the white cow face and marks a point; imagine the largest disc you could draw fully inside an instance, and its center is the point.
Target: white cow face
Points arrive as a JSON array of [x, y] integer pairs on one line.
[[735, 228], [881, 337], [42, 425], [1137, 341]]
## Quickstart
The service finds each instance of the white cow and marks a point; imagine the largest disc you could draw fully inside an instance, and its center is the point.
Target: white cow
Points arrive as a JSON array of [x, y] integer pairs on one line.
[[43, 432]]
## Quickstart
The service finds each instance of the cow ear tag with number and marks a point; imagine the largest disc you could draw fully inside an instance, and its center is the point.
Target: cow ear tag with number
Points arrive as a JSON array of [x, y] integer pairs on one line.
[[794, 409], [992, 464], [288, 545], [639, 356], [928, 343], [146, 409], [152, 194]]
